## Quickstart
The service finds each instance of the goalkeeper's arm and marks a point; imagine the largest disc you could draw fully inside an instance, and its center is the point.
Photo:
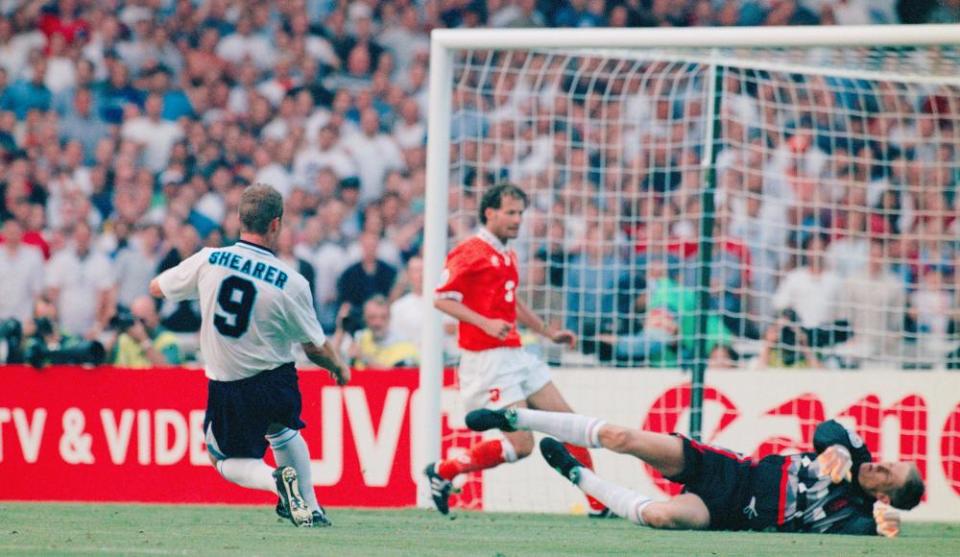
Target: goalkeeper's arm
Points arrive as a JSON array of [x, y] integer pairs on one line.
[[841, 451]]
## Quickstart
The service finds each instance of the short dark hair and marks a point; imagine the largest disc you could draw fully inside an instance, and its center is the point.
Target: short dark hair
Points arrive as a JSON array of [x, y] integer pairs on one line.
[[493, 197], [909, 495], [259, 205]]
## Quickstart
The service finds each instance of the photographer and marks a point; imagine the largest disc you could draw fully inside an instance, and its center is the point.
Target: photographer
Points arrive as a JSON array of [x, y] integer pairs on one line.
[[785, 345], [46, 344], [142, 342]]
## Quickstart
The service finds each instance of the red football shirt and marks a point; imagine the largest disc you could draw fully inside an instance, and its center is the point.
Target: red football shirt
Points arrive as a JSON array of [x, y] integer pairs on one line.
[[482, 274]]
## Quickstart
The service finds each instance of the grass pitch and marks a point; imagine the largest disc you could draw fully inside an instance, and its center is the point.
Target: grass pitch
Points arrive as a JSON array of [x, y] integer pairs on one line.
[[61, 529]]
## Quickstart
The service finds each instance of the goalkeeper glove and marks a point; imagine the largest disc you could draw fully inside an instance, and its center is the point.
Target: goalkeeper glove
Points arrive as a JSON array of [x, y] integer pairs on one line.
[[887, 519], [836, 463]]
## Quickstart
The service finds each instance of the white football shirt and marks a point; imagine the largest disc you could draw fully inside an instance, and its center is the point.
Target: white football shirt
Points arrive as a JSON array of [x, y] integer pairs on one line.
[[254, 307]]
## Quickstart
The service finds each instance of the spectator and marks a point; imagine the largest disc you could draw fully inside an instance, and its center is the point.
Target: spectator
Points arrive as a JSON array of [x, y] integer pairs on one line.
[[809, 295], [15, 48], [144, 342], [375, 153], [21, 273], [785, 345], [116, 93], [542, 299], [28, 93], [323, 245], [285, 253], [155, 134], [377, 346], [362, 280], [874, 301], [84, 125], [930, 306], [847, 256], [47, 343], [184, 316], [590, 282], [243, 44], [405, 38], [669, 335], [406, 313], [410, 131], [327, 153], [80, 283], [136, 263]]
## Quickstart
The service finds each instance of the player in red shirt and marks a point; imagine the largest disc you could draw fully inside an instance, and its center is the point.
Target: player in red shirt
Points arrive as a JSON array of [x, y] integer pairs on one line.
[[479, 289]]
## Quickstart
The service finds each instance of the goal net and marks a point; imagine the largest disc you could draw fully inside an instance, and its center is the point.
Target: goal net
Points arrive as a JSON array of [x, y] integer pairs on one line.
[[719, 208]]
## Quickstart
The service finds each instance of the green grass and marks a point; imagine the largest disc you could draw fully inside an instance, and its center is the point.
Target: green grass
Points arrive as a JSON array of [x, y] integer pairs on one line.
[[60, 529]]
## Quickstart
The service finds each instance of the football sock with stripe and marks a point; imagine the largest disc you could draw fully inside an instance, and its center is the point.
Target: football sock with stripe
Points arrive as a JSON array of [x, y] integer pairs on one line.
[[290, 449], [481, 456], [567, 428], [624, 502], [582, 454], [248, 472]]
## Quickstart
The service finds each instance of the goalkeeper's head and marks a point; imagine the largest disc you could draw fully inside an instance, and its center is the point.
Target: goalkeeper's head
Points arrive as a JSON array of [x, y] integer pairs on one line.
[[896, 483]]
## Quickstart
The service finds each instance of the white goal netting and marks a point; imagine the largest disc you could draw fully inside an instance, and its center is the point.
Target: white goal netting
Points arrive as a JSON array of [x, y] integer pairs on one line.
[[834, 236]]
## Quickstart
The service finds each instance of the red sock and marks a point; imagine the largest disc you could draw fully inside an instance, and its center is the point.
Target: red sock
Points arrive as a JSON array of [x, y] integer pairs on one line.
[[583, 455], [480, 457]]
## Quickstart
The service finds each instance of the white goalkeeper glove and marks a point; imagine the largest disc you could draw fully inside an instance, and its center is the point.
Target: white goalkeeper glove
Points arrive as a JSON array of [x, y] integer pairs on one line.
[[836, 462], [887, 519]]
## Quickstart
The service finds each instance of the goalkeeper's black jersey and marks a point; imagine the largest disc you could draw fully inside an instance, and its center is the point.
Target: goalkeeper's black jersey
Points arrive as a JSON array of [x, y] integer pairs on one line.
[[809, 503]]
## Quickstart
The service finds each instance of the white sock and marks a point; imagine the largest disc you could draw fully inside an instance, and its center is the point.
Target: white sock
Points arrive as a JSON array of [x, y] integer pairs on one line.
[[569, 428], [289, 449], [624, 502], [508, 450], [248, 472]]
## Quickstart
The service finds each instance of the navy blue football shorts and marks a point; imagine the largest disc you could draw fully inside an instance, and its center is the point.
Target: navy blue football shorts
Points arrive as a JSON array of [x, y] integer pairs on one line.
[[240, 412], [722, 479]]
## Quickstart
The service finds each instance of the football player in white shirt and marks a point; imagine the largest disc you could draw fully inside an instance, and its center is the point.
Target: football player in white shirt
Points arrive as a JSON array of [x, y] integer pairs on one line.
[[254, 307]]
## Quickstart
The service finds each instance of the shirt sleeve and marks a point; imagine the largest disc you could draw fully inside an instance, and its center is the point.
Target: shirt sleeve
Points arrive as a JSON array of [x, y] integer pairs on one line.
[[856, 525], [302, 324], [831, 432], [180, 282], [456, 275]]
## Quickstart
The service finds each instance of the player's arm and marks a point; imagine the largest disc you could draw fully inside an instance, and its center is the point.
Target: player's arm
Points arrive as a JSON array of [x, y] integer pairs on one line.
[[856, 525], [497, 328], [303, 327], [180, 282], [529, 319], [325, 356], [840, 451]]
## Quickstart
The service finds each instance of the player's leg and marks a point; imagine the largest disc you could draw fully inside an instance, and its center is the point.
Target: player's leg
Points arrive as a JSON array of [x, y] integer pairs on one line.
[[239, 415], [488, 379], [489, 453], [484, 455], [663, 452], [290, 449], [549, 398], [684, 512], [283, 434]]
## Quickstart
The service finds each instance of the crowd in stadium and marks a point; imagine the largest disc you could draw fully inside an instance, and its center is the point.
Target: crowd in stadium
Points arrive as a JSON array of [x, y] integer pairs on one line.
[[129, 129]]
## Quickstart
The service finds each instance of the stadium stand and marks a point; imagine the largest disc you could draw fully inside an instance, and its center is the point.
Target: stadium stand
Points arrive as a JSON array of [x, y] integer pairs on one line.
[[142, 121]]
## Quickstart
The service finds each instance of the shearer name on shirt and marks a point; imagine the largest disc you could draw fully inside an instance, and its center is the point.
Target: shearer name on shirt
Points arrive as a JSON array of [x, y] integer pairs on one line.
[[255, 269]]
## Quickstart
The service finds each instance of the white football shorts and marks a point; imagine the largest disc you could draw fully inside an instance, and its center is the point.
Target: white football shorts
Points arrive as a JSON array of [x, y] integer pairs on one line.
[[498, 377]]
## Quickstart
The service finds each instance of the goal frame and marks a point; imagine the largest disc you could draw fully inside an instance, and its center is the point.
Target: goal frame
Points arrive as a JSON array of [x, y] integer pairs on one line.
[[443, 43]]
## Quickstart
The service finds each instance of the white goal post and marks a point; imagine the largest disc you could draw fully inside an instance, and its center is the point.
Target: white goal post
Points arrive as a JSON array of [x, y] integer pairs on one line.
[[708, 47]]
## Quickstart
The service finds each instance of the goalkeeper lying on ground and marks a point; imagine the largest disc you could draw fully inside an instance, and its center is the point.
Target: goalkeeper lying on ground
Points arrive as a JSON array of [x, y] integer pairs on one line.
[[835, 490]]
